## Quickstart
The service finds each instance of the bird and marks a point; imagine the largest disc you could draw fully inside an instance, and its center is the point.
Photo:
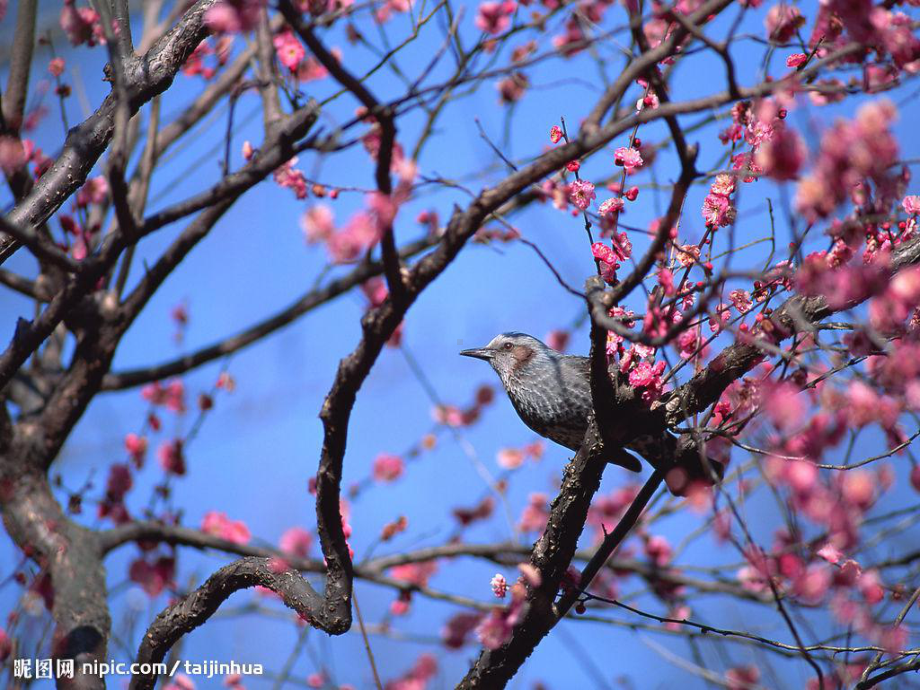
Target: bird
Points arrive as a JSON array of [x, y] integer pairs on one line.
[[551, 393]]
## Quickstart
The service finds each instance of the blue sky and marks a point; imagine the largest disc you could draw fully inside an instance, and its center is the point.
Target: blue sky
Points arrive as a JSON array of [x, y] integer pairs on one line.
[[257, 449]]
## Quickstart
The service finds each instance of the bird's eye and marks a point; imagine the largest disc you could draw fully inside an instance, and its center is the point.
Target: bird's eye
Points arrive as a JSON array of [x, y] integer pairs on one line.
[[508, 346]]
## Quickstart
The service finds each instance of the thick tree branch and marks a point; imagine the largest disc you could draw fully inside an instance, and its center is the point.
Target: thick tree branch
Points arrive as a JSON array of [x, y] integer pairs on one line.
[[148, 76], [196, 608]]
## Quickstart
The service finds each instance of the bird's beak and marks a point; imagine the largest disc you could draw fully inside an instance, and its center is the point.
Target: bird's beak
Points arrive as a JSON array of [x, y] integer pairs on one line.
[[479, 353]]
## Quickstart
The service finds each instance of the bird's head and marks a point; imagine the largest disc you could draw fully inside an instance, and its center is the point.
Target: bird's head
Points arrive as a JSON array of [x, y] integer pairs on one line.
[[513, 353]]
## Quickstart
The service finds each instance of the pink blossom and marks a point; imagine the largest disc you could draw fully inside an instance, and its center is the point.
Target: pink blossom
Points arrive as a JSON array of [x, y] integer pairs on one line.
[[81, 24], [555, 134], [718, 210], [629, 158], [782, 20], [742, 677], [658, 550], [796, 60], [219, 525], [830, 553], [870, 587], [783, 155], [641, 376], [535, 514], [741, 299], [388, 468], [296, 541], [415, 573], [499, 585], [611, 206], [119, 482], [511, 89], [289, 49], [811, 585], [915, 477], [153, 577], [458, 627], [495, 17], [911, 205], [531, 574], [233, 16], [495, 629], [171, 457], [56, 67], [288, 176], [510, 458], [558, 340], [580, 193], [784, 405], [137, 447], [318, 223]]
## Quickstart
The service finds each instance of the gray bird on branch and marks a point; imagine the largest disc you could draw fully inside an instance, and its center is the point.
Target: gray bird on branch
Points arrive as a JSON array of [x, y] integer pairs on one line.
[[551, 392]]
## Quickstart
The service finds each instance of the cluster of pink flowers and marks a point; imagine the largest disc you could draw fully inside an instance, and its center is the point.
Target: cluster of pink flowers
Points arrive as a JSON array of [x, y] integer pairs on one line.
[[198, 63], [82, 25], [630, 159], [512, 88], [451, 415], [219, 525], [495, 17], [535, 513], [171, 456], [495, 629], [296, 541], [388, 467], [512, 458], [153, 574], [417, 677], [291, 178], [620, 249], [389, 7], [644, 375], [171, 396], [782, 21], [117, 485], [850, 153], [234, 16]]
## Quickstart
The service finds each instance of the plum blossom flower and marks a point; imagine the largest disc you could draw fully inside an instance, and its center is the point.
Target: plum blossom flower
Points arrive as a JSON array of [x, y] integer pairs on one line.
[[535, 514], [81, 24], [296, 541], [581, 193], [555, 134], [911, 205], [289, 49], [782, 21], [233, 16], [783, 155], [741, 299], [388, 468], [499, 585], [611, 206], [286, 175], [219, 525], [796, 60], [629, 158], [415, 573], [495, 17], [171, 457], [458, 628]]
